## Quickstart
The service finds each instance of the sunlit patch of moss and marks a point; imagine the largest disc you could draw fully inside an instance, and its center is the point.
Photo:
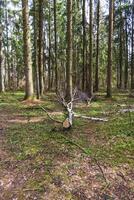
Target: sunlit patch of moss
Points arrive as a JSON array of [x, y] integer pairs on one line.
[[118, 144], [121, 124]]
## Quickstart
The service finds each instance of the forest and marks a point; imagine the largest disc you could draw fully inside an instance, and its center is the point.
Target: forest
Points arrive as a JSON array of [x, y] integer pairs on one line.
[[66, 99]]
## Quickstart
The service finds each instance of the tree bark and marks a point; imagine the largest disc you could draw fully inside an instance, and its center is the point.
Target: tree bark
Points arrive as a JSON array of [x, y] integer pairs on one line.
[[121, 50], [97, 48], [126, 55], [132, 54], [35, 58], [40, 47], [27, 51], [55, 38], [2, 85], [90, 89], [110, 48], [84, 46], [69, 50], [49, 59], [7, 46]]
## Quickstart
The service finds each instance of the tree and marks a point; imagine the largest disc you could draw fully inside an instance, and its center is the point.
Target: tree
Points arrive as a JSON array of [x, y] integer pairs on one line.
[[84, 45], [110, 45], [97, 48], [69, 50], [40, 46], [2, 85], [121, 48], [55, 38], [35, 44], [7, 44], [132, 49], [27, 51], [49, 49], [90, 87], [126, 53]]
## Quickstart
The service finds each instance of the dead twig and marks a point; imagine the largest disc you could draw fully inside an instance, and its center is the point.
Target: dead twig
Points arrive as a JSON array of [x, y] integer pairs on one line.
[[100, 168]]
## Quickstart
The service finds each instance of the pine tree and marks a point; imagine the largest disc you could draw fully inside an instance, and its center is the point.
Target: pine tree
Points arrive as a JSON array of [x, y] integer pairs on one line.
[[27, 51]]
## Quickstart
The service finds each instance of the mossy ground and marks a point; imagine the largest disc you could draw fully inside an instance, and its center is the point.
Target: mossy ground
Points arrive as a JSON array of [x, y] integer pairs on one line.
[[40, 161]]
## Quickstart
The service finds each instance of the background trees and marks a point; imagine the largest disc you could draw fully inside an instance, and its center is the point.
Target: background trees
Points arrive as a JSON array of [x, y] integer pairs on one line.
[[70, 46]]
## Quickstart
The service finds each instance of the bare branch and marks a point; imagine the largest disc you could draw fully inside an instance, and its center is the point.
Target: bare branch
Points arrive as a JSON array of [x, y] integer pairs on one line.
[[91, 118]]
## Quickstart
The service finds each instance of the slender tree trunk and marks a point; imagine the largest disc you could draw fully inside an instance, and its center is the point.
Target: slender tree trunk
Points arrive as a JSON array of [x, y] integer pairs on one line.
[[132, 54], [40, 48], [55, 37], [49, 60], [90, 89], [110, 48], [84, 45], [7, 44], [44, 61], [69, 50], [2, 85], [118, 73], [35, 58], [27, 51], [121, 49], [97, 48], [126, 56]]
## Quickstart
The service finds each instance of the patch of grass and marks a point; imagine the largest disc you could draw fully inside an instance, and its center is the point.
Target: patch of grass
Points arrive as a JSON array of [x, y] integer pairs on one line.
[[117, 144], [120, 124]]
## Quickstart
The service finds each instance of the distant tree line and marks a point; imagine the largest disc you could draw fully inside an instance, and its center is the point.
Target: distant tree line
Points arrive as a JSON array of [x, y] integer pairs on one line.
[[63, 44]]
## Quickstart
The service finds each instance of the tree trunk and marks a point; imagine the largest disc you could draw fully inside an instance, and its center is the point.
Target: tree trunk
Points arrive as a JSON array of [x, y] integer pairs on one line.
[[49, 60], [110, 48], [121, 50], [7, 45], [90, 89], [132, 54], [69, 50], [55, 37], [27, 51], [97, 48], [84, 46], [2, 85], [40, 48], [35, 58], [126, 56]]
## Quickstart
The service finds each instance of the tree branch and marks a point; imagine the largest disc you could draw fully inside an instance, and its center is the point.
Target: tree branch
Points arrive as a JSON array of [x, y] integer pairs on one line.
[[91, 118], [57, 121]]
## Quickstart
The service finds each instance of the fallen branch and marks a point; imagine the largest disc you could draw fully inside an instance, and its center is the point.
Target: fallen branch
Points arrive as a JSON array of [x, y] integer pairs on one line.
[[91, 118], [75, 144], [57, 121], [100, 168], [126, 110], [121, 111]]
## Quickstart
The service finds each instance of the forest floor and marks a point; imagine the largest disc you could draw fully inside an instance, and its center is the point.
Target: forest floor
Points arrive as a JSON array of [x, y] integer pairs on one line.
[[92, 161]]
